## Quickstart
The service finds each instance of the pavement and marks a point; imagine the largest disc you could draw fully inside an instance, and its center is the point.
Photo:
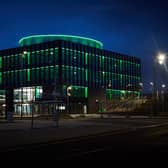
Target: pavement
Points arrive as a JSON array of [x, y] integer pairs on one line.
[[19, 132]]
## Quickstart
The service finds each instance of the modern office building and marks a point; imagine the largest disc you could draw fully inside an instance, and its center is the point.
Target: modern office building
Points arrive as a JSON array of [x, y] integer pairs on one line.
[[71, 73]]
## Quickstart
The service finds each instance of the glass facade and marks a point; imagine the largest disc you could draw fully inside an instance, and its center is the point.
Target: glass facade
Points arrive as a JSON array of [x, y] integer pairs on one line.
[[23, 98], [29, 68], [67, 62], [94, 68]]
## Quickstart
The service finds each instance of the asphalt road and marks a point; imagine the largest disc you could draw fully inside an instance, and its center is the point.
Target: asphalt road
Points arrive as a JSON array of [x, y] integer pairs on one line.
[[142, 144]]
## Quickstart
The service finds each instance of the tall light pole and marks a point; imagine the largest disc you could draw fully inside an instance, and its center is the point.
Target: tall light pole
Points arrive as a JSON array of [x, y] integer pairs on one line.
[[140, 89], [69, 89], [162, 94], [152, 98], [160, 59]]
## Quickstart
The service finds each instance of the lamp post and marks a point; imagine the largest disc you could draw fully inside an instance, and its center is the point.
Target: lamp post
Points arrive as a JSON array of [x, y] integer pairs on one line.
[[128, 88], [140, 89], [152, 84], [160, 58], [162, 94], [69, 89], [152, 98]]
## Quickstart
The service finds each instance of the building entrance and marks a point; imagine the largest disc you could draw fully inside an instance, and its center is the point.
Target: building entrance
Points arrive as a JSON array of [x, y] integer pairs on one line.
[[24, 99]]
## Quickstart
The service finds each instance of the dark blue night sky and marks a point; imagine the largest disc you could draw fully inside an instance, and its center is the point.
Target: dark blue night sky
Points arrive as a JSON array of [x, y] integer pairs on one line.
[[138, 28]]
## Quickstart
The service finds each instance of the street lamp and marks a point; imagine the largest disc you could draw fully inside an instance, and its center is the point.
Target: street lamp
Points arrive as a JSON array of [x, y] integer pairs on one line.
[[162, 94], [69, 90], [152, 98], [24, 52], [151, 83], [140, 89], [141, 84], [163, 85], [162, 61], [127, 103], [161, 58], [152, 89]]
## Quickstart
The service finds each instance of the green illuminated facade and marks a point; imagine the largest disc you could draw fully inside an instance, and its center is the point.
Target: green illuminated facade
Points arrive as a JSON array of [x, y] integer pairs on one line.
[[54, 62]]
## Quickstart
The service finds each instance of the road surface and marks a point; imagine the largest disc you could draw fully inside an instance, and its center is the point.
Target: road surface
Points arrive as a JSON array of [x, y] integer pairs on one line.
[[139, 144]]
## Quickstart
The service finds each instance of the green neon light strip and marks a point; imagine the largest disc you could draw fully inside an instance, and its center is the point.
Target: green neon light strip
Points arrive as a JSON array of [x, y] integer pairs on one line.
[[104, 57], [86, 74], [37, 92], [28, 74], [31, 68], [122, 90], [86, 92], [86, 58], [76, 87], [28, 58], [81, 87], [36, 39], [66, 66]]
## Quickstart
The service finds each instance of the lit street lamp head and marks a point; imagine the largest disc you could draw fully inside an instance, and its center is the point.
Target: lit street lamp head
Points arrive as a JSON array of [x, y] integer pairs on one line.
[[163, 85], [141, 84], [151, 83], [24, 52], [161, 58]]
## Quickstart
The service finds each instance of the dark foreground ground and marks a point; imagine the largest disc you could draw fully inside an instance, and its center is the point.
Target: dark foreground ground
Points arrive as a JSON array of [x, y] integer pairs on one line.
[[149, 144]]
